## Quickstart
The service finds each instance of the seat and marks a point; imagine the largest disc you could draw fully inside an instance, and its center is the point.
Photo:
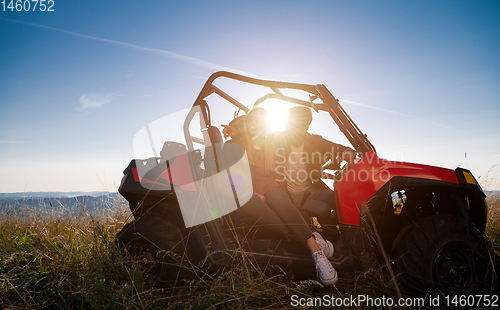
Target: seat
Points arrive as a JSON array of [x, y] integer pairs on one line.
[[212, 150]]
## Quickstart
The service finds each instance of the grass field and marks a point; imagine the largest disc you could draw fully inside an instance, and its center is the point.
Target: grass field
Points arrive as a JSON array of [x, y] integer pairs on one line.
[[73, 263]]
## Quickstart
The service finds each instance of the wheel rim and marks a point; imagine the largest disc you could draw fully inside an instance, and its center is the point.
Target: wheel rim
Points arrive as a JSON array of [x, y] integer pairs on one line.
[[452, 268]]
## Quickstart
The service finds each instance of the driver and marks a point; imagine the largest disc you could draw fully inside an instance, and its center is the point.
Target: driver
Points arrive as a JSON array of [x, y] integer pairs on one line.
[[270, 204], [299, 157]]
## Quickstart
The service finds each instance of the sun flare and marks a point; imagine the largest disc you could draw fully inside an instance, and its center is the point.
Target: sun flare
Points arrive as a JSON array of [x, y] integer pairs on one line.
[[278, 114]]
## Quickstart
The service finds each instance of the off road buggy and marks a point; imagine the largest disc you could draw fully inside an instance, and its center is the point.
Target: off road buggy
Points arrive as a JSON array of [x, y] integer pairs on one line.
[[430, 220]]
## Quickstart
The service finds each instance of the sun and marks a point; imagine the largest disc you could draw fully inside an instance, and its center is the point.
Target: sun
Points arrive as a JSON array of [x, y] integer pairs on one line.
[[278, 113]]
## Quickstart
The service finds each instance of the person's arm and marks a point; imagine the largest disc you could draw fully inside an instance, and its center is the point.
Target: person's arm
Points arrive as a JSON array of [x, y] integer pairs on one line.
[[338, 151], [230, 131]]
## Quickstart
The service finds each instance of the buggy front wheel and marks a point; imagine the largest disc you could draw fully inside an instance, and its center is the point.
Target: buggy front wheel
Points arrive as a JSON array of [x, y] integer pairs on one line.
[[440, 255]]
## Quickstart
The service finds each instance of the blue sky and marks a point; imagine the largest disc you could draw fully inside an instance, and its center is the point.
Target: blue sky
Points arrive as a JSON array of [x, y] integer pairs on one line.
[[421, 78]]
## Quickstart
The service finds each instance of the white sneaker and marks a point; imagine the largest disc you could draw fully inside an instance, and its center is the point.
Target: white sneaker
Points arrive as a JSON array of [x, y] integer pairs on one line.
[[327, 274], [324, 245]]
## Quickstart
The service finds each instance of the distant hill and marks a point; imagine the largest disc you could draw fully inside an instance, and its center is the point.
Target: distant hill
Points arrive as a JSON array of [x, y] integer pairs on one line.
[[26, 195], [492, 194], [76, 203], [49, 204]]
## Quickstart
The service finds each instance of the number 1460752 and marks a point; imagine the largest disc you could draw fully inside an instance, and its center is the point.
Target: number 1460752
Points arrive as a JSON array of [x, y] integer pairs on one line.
[[28, 5]]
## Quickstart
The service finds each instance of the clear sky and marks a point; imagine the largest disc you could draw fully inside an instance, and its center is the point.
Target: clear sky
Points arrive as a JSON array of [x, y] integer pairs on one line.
[[421, 78]]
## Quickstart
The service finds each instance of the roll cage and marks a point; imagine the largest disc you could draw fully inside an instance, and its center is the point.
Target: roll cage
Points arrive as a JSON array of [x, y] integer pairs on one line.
[[327, 102]]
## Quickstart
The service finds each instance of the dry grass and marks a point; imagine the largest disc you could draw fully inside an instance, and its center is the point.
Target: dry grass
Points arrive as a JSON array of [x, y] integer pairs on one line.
[[493, 225], [74, 263]]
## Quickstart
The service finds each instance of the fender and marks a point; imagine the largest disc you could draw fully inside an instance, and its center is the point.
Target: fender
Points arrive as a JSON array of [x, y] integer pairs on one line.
[[370, 174], [405, 200]]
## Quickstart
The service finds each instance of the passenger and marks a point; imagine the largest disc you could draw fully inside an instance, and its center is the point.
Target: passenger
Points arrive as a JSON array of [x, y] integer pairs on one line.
[[274, 208], [299, 158]]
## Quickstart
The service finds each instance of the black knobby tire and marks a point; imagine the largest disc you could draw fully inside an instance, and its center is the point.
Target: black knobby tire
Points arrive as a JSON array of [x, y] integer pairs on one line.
[[157, 246], [440, 255]]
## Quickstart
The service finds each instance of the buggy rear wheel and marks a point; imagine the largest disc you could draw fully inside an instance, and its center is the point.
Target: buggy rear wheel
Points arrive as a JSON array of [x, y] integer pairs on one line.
[[156, 245]]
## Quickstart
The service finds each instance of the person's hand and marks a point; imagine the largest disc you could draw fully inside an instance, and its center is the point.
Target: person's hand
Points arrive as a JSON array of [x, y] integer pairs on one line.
[[349, 156], [229, 131]]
